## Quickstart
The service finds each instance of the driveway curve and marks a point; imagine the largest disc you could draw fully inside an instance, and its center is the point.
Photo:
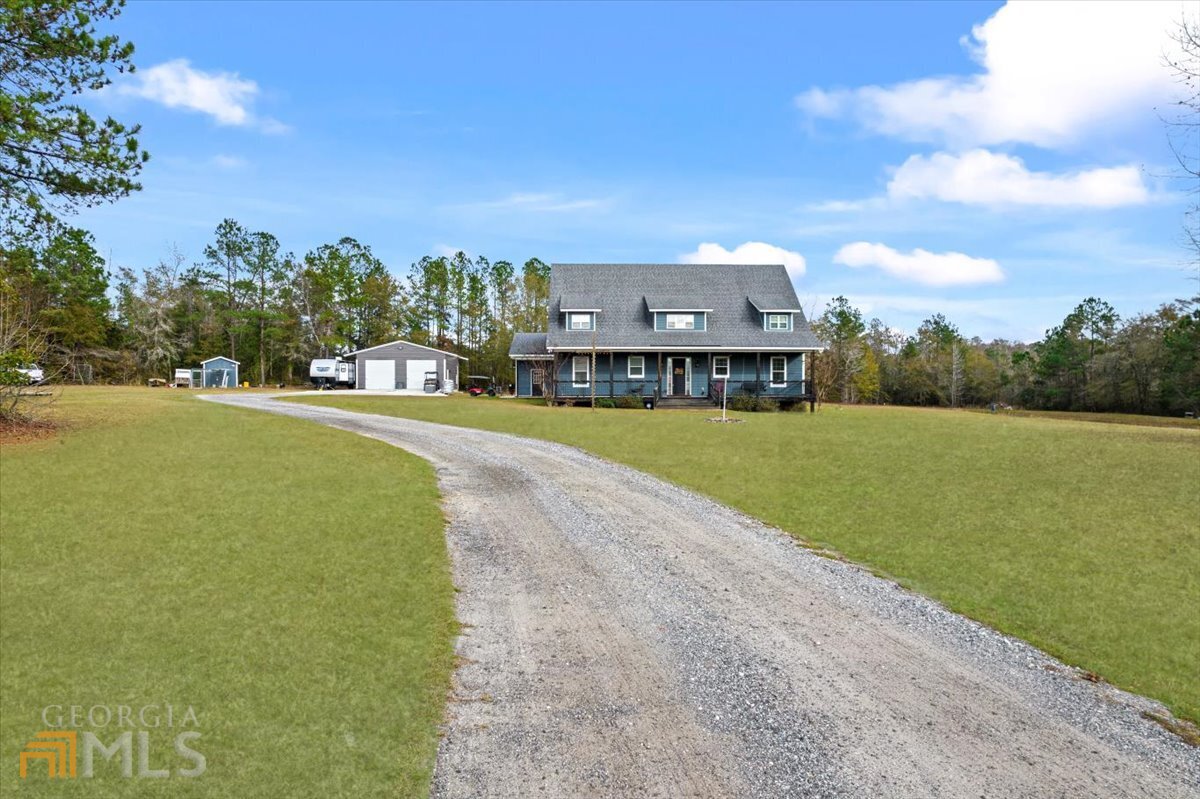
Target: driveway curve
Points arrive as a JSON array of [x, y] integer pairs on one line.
[[625, 637]]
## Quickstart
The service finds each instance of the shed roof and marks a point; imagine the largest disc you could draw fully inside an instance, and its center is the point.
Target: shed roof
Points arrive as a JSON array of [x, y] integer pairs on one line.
[[580, 302], [528, 345], [220, 358], [676, 302], [776, 302]]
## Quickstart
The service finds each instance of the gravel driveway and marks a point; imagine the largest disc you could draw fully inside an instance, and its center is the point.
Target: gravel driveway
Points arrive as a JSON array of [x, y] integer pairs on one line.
[[625, 637]]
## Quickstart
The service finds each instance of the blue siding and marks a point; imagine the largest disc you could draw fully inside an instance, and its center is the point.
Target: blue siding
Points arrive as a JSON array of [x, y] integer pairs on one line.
[[742, 372], [621, 383], [741, 379], [220, 372], [660, 320], [525, 375]]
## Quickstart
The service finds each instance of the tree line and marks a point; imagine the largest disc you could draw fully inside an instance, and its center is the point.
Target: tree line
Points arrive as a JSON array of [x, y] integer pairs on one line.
[[274, 311], [246, 298], [1092, 361]]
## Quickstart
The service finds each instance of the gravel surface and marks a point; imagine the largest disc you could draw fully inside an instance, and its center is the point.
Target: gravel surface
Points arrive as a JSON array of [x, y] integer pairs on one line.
[[625, 637]]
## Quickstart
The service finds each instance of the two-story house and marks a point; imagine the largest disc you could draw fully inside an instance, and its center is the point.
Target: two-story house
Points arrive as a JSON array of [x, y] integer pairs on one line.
[[673, 334]]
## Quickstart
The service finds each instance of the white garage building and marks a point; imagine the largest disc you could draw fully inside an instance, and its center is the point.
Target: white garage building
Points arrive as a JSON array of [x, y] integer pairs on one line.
[[404, 366]]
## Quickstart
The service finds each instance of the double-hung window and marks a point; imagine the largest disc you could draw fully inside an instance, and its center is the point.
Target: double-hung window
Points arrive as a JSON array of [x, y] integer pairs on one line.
[[721, 367], [637, 366], [580, 371], [778, 370], [779, 321], [681, 321], [580, 321]]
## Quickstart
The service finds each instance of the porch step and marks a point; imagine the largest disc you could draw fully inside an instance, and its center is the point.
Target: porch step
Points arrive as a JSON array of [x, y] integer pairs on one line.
[[684, 402]]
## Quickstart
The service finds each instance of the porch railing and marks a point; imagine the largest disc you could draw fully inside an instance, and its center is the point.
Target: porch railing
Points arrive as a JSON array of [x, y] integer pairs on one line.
[[788, 389], [605, 388]]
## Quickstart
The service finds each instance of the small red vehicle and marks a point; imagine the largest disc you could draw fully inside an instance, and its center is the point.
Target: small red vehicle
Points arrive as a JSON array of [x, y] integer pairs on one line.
[[478, 385]]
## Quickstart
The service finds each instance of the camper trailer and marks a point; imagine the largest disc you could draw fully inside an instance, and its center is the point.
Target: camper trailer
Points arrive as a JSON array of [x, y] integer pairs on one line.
[[331, 373]]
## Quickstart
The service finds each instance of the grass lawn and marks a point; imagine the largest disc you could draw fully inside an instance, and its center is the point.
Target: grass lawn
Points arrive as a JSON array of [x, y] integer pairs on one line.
[[1111, 418], [288, 581], [1081, 538]]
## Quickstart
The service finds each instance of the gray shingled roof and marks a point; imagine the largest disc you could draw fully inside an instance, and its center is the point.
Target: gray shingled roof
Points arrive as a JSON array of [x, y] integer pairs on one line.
[[776, 302], [623, 290], [527, 344], [676, 302], [579, 302]]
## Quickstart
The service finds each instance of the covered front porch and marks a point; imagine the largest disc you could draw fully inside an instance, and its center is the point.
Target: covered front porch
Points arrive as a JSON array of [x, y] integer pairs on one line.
[[665, 375]]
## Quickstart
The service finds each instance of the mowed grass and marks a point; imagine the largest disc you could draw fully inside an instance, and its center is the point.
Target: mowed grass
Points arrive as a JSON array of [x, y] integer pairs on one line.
[[1181, 422], [288, 581], [1081, 538]]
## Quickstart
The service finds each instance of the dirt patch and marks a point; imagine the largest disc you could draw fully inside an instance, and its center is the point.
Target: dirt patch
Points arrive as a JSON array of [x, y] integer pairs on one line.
[[13, 433]]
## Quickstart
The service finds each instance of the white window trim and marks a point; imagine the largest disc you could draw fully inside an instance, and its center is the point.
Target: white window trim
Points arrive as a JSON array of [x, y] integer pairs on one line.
[[728, 367], [591, 319], [691, 317], [767, 322], [775, 358], [641, 375], [587, 370]]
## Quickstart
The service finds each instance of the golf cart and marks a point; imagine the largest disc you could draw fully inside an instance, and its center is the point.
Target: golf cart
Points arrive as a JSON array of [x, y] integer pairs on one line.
[[478, 385]]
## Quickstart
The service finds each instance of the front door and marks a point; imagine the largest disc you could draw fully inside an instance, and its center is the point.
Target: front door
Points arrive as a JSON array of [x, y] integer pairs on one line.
[[679, 376]]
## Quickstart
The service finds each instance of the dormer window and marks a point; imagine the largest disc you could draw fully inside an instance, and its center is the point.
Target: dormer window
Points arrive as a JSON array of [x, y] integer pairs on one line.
[[778, 321], [581, 321], [681, 321]]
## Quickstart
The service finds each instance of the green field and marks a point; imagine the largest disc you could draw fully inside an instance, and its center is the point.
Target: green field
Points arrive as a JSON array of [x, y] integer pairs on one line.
[[288, 581], [1082, 538], [1180, 422]]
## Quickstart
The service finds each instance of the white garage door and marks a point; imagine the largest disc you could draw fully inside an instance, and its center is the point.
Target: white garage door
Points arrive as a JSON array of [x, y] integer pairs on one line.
[[416, 374], [381, 375]]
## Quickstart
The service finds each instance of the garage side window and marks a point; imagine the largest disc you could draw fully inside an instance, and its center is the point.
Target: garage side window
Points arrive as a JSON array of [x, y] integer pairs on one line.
[[580, 371]]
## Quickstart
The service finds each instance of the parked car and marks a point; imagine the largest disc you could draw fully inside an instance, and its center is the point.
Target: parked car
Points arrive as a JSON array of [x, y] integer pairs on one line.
[[34, 373]]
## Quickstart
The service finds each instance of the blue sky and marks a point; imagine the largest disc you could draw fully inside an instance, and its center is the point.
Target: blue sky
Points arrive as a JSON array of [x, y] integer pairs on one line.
[[996, 164]]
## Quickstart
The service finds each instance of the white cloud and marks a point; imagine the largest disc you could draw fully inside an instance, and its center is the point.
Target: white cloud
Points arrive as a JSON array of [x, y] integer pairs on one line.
[[921, 266], [1052, 71], [536, 201], [980, 177], [447, 251], [752, 252], [222, 161], [225, 96], [845, 206]]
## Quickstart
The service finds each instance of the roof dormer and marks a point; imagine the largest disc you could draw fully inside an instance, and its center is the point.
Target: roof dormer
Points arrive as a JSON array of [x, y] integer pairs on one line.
[[579, 313]]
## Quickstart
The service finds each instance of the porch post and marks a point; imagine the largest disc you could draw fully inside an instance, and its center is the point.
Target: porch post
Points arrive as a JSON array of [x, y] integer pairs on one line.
[[757, 373], [610, 374], [658, 376], [810, 372]]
